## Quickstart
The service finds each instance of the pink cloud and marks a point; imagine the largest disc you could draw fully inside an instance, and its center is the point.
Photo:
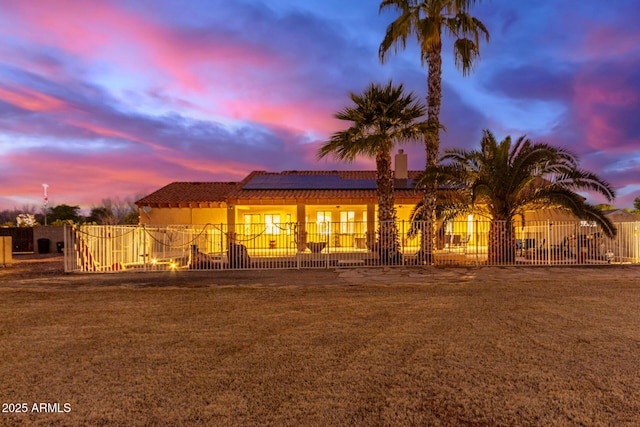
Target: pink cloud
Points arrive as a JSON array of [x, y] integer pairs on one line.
[[289, 115], [217, 66], [609, 41], [107, 32], [113, 133], [214, 170], [597, 98], [85, 179], [31, 100], [73, 180], [221, 74]]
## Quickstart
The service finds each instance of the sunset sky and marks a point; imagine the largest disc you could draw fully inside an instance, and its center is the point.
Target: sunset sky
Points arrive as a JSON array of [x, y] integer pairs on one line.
[[115, 99]]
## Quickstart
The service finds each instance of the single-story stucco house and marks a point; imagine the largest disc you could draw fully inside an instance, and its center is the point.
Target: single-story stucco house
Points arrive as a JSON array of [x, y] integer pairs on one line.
[[339, 204]]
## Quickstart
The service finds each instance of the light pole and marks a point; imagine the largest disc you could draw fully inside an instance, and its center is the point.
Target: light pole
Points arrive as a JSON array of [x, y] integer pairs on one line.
[[46, 202]]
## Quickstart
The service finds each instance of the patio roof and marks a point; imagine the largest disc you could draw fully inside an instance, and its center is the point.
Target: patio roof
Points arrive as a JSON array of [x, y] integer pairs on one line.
[[201, 193], [287, 187]]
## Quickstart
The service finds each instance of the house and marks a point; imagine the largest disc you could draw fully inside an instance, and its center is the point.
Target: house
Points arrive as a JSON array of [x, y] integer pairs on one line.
[[289, 209], [342, 204]]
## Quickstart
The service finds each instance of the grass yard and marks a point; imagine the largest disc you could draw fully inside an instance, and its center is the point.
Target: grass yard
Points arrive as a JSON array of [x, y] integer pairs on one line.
[[451, 347]]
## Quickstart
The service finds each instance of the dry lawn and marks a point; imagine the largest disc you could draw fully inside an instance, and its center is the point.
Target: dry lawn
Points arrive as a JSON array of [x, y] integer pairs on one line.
[[451, 347]]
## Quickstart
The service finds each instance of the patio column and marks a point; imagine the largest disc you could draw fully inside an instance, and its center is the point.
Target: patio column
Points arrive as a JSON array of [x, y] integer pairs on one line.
[[231, 223], [371, 225], [301, 219]]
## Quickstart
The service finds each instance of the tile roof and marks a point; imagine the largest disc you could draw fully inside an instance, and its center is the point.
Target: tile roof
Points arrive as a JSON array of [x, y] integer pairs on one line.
[[218, 192], [346, 191], [370, 174], [190, 192]]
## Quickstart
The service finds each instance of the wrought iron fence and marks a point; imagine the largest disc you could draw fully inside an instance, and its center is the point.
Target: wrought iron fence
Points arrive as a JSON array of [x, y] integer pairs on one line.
[[92, 248]]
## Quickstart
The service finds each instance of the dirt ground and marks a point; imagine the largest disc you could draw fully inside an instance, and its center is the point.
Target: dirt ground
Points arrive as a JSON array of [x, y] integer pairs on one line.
[[382, 346], [47, 271]]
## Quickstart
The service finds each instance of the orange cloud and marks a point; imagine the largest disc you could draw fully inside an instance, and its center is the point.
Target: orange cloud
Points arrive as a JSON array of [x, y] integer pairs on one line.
[[31, 100]]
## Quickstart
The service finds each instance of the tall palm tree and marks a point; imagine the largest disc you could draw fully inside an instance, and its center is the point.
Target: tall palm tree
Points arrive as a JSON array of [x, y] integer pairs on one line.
[[429, 20], [507, 178], [381, 117]]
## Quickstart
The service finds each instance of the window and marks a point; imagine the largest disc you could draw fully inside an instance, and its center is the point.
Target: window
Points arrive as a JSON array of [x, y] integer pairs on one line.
[[289, 225], [251, 222], [273, 223], [364, 221], [449, 227], [324, 222], [347, 222]]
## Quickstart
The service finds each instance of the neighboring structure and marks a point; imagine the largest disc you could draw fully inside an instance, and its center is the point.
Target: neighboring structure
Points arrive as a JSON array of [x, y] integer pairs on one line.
[[40, 239], [620, 215]]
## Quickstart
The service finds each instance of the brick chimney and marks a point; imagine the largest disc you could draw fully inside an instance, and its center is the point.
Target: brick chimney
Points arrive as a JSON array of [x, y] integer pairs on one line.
[[401, 165]]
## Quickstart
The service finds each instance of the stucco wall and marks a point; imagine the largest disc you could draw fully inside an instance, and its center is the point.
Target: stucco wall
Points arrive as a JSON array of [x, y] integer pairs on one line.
[[210, 216], [54, 233], [6, 256], [164, 216]]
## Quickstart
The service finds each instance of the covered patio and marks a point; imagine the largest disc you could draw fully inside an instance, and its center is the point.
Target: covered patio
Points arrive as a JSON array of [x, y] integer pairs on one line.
[[218, 246]]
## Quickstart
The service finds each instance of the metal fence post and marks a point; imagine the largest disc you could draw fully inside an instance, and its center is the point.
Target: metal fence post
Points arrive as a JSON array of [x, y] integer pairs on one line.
[[549, 242], [477, 243]]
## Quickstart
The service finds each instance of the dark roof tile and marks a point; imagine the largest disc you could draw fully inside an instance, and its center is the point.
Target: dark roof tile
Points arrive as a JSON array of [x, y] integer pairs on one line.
[[190, 192]]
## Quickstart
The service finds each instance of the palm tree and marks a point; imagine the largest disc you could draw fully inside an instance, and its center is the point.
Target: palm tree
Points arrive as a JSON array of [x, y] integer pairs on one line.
[[506, 178], [429, 20], [381, 117]]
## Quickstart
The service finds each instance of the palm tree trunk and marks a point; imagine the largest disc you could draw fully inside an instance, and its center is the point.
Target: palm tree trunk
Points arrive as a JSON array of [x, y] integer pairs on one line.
[[502, 242], [387, 229], [432, 147]]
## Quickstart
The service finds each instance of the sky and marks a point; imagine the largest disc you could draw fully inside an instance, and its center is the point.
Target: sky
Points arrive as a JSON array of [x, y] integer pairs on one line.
[[117, 98]]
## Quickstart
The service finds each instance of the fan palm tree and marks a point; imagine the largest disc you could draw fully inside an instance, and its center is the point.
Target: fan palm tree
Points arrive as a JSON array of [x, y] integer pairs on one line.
[[506, 178], [381, 117], [429, 20]]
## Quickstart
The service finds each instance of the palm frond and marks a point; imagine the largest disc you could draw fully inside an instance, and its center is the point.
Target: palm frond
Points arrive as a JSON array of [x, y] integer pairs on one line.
[[564, 198], [509, 176], [397, 31]]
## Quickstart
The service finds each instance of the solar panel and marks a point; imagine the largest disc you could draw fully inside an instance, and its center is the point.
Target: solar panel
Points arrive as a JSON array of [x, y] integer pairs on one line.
[[314, 182]]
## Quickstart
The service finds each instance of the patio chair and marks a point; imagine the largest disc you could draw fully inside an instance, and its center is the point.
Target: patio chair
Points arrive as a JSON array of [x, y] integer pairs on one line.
[[238, 256], [464, 242]]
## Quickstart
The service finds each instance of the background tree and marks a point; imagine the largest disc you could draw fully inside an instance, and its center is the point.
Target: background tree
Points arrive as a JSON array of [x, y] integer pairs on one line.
[[8, 216], [114, 211], [64, 213], [26, 220], [506, 178], [101, 216], [120, 208], [132, 218], [429, 21], [605, 207], [381, 117], [636, 205]]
